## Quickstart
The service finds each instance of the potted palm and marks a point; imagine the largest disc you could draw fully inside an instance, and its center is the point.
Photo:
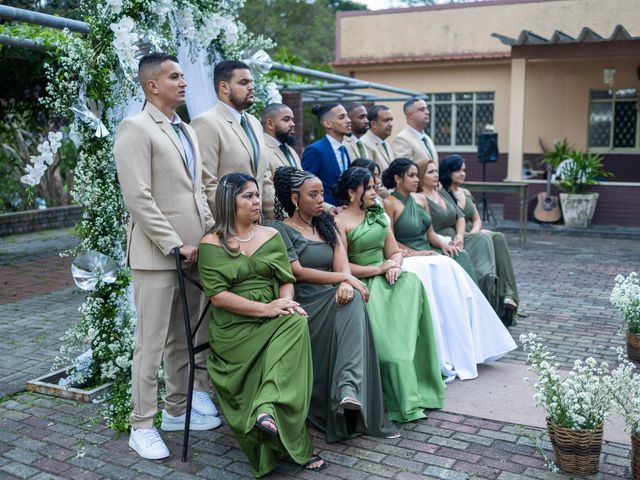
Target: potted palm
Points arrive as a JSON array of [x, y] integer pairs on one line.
[[625, 296], [576, 406], [575, 172]]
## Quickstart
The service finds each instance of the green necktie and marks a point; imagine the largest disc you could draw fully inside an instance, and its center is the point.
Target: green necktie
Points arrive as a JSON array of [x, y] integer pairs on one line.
[[426, 144], [386, 151], [287, 154], [361, 151], [254, 146]]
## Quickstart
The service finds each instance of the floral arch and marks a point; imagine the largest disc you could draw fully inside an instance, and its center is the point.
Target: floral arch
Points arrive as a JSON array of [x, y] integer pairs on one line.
[[93, 87]]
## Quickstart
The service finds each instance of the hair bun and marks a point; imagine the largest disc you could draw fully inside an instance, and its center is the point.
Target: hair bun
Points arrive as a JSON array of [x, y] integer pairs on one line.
[[316, 109]]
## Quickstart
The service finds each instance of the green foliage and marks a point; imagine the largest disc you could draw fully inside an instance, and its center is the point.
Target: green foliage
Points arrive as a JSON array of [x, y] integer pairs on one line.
[[579, 170]]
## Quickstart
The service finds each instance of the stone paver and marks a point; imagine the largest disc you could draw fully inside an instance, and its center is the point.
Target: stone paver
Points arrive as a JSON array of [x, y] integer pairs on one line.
[[564, 284]]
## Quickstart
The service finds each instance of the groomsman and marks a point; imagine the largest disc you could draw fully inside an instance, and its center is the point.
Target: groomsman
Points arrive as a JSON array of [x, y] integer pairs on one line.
[[357, 113], [279, 136], [328, 158], [231, 140], [160, 173], [380, 127], [412, 142]]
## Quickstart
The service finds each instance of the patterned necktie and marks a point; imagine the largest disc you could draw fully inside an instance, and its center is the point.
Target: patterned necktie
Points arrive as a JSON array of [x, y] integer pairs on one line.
[[345, 158], [426, 144], [361, 151], [252, 140], [287, 154]]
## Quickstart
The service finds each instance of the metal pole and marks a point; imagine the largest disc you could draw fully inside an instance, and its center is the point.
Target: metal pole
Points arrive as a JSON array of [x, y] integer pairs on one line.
[[27, 16], [26, 43]]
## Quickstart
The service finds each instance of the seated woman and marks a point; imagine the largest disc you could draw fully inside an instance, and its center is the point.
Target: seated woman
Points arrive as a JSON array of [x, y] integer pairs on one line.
[[467, 330], [398, 305], [377, 175], [447, 220], [260, 360], [347, 391], [488, 250]]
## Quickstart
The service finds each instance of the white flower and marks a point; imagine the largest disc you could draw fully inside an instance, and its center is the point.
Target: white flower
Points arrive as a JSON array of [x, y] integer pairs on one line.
[[116, 5], [124, 43], [273, 95], [231, 31]]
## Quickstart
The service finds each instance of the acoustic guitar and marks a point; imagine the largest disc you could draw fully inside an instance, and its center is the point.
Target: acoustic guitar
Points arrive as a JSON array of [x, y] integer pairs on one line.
[[548, 209]]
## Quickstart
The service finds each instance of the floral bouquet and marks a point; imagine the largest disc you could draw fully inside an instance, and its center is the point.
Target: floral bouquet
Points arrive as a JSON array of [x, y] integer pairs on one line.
[[624, 385], [581, 400], [625, 296]]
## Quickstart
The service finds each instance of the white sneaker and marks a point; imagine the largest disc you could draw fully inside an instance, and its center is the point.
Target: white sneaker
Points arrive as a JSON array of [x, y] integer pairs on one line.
[[148, 444], [198, 421], [201, 401]]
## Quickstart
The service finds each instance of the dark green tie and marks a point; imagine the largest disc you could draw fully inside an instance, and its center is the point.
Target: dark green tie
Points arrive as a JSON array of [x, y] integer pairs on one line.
[[288, 155], [254, 146], [176, 128], [426, 144], [386, 151], [361, 151]]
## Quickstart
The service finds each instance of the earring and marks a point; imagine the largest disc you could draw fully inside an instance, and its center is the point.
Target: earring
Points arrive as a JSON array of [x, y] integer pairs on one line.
[[350, 199], [296, 205]]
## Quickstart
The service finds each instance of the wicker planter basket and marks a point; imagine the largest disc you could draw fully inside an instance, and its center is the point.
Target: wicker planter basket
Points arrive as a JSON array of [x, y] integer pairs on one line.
[[635, 456], [576, 451], [633, 346]]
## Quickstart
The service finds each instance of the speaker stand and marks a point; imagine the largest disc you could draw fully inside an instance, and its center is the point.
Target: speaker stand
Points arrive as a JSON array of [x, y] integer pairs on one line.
[[486, 215]]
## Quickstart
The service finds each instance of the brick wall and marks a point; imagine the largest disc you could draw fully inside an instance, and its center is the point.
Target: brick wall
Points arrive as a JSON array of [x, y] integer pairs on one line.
[[35, 220]]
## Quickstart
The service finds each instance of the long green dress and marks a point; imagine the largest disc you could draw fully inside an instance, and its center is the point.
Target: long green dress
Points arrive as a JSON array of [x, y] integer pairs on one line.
[[345, 361], [401, 324], [405, 230], [259, 365], [485, 248]]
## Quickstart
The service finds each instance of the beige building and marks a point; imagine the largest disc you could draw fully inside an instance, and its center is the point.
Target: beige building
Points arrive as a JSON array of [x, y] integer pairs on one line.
[[539, 70]]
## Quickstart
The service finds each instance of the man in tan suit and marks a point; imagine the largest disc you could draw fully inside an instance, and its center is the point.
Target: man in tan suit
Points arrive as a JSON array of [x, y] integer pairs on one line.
[[231, 140], [412, 142], [380, 128], [279, 136], [357, 113], [160, 173]]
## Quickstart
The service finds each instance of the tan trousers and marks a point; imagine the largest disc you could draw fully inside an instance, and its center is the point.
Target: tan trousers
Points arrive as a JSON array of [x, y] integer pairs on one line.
[[160, 333]]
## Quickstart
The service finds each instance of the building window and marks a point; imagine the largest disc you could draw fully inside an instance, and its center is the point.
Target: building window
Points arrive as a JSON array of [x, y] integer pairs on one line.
[[458, 118], [613, 119]]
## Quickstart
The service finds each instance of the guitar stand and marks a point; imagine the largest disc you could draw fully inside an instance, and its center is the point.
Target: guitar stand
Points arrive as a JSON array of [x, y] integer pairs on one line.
[[487, 215]]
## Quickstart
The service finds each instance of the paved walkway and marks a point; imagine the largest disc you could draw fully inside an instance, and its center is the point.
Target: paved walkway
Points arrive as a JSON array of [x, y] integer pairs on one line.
[[564, 285]]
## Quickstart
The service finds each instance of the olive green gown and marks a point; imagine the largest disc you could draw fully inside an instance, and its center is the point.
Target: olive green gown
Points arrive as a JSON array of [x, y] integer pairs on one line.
[[490, 253], [259, 365], [402, 327], [345, 361], [443, 222]]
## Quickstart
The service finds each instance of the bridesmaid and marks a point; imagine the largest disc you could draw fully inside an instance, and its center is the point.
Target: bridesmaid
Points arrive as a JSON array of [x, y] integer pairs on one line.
[[347, 392], [484, 246], [447, 220], [260, 357], [467, 330], [398, 305]]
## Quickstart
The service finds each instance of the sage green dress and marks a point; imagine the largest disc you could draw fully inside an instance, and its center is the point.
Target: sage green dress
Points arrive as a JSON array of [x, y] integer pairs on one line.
[[406, 232], [345, 361], [401, 324], [258, 365], [490, 253]]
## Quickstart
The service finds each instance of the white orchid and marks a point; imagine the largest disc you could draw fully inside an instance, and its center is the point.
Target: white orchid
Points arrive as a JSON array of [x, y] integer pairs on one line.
[[39, 163], [273, 94], [124, 43], [116, 5]]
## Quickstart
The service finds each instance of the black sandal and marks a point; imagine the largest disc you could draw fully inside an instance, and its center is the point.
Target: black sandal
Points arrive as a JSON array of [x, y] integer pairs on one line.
[[261, 426], [312, 460]]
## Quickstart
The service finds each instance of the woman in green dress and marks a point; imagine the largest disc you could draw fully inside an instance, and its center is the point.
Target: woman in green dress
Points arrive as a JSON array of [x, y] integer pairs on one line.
[[347, 391], [260, 357], [446, 221], [398, 305], [489, 250]]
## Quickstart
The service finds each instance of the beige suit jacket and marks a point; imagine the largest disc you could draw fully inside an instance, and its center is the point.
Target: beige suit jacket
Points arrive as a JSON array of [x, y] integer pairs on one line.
[[406, 144], [276, 160], [168, 209], [379, 155], [225, 148], [352, 148]]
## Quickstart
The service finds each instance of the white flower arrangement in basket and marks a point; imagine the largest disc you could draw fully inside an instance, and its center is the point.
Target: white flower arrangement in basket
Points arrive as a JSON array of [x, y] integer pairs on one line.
[[581, 400], [624, 385], [625, 296]]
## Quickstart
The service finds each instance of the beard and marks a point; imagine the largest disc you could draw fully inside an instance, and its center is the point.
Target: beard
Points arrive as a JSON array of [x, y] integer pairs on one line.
[[286, 138], [361, 131], [239, 102]]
